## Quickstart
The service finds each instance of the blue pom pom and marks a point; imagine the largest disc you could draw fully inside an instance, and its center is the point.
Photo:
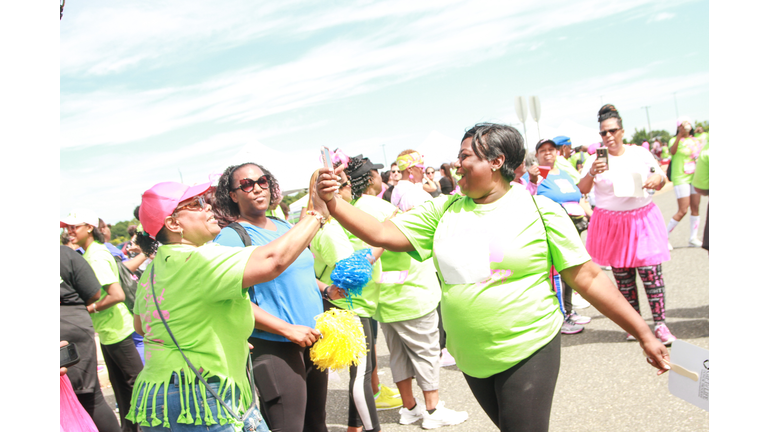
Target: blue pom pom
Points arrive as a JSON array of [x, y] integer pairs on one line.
[[353, 273]]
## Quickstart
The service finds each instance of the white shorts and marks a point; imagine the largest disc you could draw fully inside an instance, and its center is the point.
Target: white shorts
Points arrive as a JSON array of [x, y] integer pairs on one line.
[[684, 190]]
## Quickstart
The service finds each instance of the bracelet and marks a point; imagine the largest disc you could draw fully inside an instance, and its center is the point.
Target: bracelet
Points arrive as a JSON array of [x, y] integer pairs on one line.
[[318, 216], [94, 308], [590, 172]]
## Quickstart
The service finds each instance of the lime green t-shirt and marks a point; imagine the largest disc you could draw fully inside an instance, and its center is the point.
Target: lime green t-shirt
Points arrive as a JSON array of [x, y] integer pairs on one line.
[[665, 152], [701, 176], [115, 323], [498, 305], [331, 245], [703, 138], [563, 165], [684, 161], [409, 289], [200, 293]]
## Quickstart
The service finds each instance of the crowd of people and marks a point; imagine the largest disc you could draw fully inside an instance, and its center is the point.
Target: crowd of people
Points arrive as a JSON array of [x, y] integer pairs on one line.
[[206, 317]]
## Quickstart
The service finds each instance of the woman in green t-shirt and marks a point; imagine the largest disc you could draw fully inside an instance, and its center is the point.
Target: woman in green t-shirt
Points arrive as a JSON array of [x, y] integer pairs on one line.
[[111, 318], [493, 249], [200, 291], [685, 151]]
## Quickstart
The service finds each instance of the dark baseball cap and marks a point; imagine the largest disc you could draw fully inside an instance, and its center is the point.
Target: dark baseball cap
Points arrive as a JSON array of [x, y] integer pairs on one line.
[[364, 168]]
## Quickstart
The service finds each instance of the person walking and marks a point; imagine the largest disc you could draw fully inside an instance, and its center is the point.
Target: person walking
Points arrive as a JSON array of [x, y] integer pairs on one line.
[[627, 232], [685, 150]]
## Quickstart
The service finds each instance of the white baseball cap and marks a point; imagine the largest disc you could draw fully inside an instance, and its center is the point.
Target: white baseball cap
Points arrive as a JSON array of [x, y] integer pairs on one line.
[[80, 216]]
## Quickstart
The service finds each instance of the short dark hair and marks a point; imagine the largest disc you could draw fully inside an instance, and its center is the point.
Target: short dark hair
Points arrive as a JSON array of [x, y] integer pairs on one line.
[[224, 205], [490, 140]]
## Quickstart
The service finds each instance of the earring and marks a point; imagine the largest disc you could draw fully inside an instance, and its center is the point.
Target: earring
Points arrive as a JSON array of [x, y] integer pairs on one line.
[[410, 176], [89, 231], [182, 233], [493, 169]]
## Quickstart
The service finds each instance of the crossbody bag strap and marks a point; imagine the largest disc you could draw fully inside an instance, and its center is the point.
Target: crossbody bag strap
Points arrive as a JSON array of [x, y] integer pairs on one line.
[[194, 369], [546, 233]]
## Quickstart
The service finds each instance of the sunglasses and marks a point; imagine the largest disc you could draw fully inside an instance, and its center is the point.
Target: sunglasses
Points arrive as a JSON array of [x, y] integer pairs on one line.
[[609, 131], [430, 172], [348, 182], [197, 205], [246, 184]]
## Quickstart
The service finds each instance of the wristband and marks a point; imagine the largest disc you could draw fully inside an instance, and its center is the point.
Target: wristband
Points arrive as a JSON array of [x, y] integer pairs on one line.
[[590, 172], [94, 308], [318, 216], [325, 292]]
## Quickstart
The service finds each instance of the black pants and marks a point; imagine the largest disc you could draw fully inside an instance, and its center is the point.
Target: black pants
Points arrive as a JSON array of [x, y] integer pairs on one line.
[[520, 398], [123, 364], [292, 390], [76, 327]]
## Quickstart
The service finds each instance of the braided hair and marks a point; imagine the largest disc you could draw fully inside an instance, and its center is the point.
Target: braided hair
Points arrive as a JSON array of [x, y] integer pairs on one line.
[[608, 111], [359, 184], [224, 207], [490, 140]]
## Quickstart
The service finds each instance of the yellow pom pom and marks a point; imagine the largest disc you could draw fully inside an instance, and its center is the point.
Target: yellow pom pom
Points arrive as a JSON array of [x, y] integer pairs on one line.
[[343, 341]]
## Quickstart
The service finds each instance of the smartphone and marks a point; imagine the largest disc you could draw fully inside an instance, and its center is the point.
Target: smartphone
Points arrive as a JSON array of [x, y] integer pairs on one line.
[[602, 155], [68, 355], [325, 154]]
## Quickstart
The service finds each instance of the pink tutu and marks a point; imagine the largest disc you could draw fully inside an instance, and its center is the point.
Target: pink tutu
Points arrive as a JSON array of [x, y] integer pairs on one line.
[[625, 239]]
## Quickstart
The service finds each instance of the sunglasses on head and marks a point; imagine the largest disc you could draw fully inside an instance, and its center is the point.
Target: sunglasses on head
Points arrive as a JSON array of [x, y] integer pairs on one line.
[[609, 131], [197, 205], [246, 184]]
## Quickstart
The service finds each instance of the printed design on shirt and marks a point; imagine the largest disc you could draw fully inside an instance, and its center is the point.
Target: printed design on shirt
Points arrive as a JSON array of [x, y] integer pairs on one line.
[[150, 315], [565, 186]]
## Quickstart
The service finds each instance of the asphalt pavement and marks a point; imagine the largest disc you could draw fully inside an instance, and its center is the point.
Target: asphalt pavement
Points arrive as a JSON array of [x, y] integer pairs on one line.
[[604, 383]]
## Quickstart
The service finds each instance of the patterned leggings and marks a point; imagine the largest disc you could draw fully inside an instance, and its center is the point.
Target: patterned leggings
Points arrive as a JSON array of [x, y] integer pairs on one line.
[[654, 288]]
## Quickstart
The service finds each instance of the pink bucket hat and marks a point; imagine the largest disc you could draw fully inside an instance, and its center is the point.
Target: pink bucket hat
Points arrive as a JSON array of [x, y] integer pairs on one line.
[[161, 200], [684, 119]]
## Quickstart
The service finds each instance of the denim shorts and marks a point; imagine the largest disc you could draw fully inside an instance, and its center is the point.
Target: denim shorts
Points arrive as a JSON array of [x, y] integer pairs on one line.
[[253, 423]]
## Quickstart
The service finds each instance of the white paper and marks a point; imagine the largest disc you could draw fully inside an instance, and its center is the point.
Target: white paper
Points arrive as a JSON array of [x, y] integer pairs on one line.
[[696, 360], [628, 185]]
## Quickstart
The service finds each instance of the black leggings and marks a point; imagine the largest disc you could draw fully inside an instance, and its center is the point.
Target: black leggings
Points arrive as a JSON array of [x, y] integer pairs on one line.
[[292, 390], [123, 365], [96, 406], [520, 398], [362, 405]]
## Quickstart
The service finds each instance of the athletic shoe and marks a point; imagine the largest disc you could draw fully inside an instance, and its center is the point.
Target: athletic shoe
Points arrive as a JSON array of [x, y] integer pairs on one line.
[[606, 268], [630, 338], [570, 327], [579, 319], [579, 302], [664, 335], [669, 245], [694, 242], [446, 359], [387, 401], [411, 416], [386, 391], [443, 416]]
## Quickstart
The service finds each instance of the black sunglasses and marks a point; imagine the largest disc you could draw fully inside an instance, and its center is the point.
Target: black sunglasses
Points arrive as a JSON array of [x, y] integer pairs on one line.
[[609, 131], [246, 184]]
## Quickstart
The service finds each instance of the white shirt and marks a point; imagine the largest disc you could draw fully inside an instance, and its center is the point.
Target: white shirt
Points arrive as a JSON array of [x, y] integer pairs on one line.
[[407, 195], [635, 159]]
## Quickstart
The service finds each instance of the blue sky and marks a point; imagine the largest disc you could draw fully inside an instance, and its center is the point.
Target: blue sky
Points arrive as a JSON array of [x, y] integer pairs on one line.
[[151, 89]]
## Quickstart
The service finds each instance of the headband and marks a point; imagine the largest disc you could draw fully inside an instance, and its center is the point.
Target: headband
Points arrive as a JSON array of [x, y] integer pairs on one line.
[[411, 159]]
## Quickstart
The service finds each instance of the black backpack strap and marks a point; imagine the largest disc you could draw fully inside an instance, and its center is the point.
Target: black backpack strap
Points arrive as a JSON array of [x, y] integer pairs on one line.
[[241, 232]]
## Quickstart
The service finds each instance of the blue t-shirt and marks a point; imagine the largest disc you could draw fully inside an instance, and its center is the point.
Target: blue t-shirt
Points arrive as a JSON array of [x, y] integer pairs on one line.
[[293, 296], [560, 188]]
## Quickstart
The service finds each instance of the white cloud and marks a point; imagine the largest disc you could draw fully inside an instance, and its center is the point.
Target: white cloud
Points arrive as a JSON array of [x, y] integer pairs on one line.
[[663, 16]]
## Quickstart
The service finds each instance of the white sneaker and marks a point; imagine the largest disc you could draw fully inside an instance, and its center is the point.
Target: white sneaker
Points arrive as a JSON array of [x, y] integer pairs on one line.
[[443, 417], [694, 242], [411, 416], [669, 245]]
